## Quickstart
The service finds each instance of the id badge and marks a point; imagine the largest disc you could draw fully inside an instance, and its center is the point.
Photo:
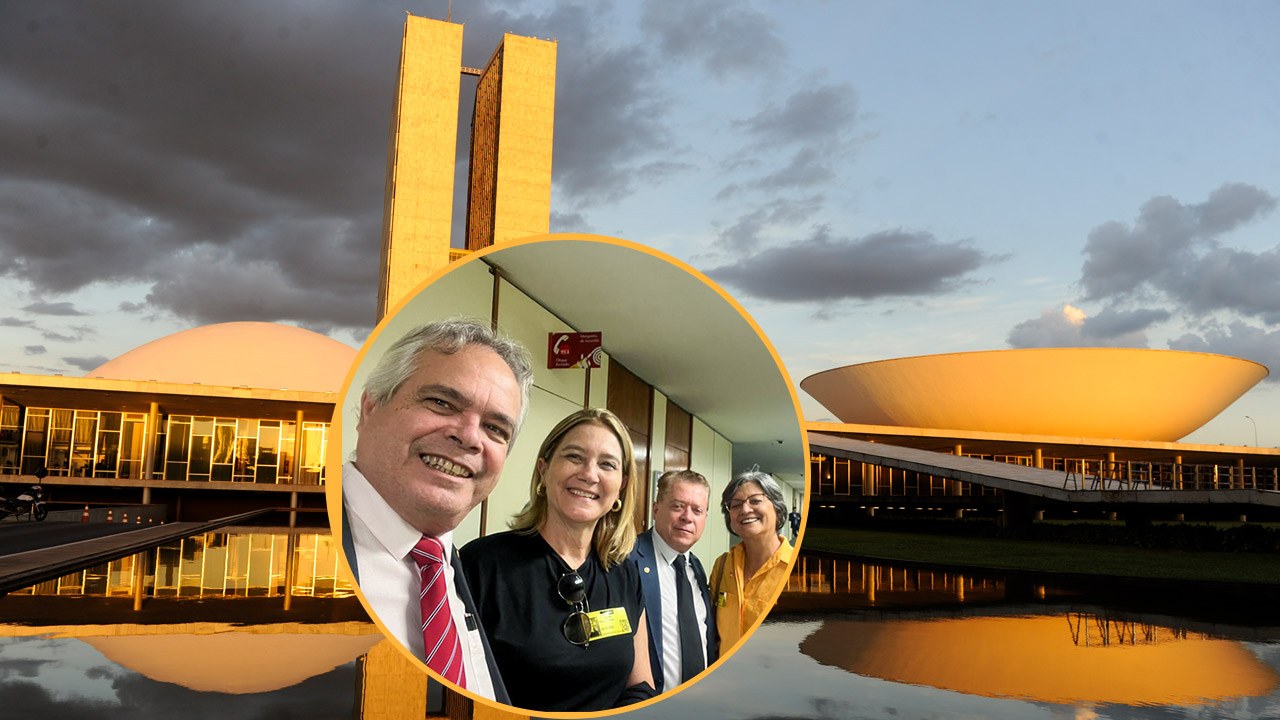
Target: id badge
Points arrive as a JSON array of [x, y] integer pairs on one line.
[[608, 623]]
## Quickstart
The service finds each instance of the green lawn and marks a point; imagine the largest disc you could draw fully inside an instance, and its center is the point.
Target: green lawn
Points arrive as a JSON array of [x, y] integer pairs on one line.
[[1048, 556]]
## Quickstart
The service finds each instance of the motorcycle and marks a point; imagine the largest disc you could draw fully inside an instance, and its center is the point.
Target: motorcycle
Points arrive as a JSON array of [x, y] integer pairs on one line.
[[29, 503]]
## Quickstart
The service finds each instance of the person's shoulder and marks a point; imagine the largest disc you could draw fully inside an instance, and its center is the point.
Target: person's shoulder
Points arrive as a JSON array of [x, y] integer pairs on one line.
[[724, 557], [493, 541], [643, 547], [498, 547], [628, 570]]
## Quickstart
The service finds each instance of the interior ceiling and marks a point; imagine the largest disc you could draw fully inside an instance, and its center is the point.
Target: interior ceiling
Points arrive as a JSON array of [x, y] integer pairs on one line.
[[674, 332]]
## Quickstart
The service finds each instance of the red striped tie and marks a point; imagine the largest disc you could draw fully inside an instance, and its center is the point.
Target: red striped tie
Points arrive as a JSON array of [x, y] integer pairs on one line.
[[443, 648]]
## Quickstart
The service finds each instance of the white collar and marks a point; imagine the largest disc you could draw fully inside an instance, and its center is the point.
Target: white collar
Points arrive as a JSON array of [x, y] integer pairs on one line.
[[391, 531], [665, 551]]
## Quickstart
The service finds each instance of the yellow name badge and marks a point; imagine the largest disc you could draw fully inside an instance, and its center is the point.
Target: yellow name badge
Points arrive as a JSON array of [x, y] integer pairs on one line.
[[608, 623], [720, 599]]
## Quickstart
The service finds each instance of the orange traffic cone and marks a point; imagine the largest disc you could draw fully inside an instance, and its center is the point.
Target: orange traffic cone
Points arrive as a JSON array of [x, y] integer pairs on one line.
[[84, 517], [124, 516], [109, 516], [139, 520]]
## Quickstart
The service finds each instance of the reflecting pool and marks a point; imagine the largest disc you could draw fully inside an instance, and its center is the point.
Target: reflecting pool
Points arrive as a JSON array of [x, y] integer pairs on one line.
[[241, 623], [851, 639]]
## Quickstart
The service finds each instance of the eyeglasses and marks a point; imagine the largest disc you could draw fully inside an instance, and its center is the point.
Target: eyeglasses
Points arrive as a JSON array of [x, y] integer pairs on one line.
[[577, 627], [755, 502]]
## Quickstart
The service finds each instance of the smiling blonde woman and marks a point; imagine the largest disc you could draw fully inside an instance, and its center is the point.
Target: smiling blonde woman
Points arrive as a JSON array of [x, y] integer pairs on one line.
[[744, 579], [563, 611]]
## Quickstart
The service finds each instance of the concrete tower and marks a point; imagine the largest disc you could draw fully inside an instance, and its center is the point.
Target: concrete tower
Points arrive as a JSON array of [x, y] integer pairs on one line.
[[509, 191]]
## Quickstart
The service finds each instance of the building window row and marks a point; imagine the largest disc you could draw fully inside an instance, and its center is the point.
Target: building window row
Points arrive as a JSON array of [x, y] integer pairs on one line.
[[216, 564], [103, 444]]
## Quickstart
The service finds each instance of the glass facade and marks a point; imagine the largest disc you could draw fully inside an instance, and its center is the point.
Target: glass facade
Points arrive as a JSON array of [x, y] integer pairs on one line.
[[102, 444], [216, 564]]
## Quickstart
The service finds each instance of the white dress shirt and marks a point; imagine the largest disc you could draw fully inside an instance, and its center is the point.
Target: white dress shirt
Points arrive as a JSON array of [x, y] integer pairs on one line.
[[390, 581], [670, 618]]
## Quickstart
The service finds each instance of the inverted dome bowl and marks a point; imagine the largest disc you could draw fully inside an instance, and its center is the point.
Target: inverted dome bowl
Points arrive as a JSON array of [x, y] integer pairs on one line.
[[1077, 392]]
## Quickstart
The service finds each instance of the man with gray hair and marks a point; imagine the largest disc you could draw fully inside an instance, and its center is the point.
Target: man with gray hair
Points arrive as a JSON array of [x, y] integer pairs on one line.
[[437, 418]]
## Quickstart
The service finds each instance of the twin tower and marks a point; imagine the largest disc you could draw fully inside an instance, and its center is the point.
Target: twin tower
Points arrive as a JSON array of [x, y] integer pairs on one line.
[[509, 170]]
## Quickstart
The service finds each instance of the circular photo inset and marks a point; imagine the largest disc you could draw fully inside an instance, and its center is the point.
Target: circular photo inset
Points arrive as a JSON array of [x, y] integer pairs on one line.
[[570, 475]]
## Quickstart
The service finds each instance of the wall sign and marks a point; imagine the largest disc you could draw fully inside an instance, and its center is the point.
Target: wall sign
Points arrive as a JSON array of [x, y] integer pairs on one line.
[[573, 350]]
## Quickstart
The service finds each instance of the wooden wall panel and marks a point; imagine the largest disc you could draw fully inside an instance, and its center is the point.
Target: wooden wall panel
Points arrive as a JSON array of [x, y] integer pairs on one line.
[[631, 399]]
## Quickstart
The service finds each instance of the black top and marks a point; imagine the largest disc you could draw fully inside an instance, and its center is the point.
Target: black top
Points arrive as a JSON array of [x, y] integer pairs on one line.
[[513, 580]]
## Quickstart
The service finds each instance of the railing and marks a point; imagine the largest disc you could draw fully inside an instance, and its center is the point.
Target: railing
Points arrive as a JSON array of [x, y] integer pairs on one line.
[[1134, 475]]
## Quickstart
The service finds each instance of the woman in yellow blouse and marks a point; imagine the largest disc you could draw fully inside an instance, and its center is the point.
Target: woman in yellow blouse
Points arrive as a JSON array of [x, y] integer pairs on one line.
[[746, 579]]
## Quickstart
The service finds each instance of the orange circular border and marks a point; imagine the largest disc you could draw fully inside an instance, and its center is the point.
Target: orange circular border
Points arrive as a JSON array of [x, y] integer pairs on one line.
[[334, 462]]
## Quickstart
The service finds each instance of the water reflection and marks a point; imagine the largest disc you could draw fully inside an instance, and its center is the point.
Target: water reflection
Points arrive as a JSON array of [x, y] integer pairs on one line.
[[227, 563], [1047, 658], [853, 639], [240, 623]]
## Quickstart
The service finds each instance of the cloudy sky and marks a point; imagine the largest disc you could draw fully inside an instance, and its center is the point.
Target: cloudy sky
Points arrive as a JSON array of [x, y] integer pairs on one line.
[[871, 180]]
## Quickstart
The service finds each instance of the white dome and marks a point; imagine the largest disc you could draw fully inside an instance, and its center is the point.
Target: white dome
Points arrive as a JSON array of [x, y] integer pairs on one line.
[[252, 354]]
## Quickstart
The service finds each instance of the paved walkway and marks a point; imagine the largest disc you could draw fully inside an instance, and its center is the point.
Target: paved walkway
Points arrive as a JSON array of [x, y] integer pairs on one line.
[[20, 570]]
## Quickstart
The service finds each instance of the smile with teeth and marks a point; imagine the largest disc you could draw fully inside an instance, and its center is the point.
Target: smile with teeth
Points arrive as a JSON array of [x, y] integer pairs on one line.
[[445, 466], [583, 494]]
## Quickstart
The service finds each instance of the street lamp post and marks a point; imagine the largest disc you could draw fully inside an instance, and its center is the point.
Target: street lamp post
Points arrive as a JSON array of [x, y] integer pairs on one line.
[[1255, 430]]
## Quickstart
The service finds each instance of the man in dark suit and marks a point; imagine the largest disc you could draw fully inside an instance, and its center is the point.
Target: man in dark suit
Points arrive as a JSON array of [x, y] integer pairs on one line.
[[438, 414], [682, 634]]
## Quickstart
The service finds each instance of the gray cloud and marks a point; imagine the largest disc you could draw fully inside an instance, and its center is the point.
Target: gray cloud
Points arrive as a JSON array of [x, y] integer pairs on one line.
[[819, 114], [609, 115], [151, 128], [1172, 253], [1237, 339], [57, 336], [56, 308], [86, 364], [744, 235], [1229, 279], [808, 167], [729, 39], [660, 170], [141, 137], [1069, 327], [823, 269], [34, 349], [610, 109], [1158, 250], [793, 144], [569, 222], [16, 322], [209, 285], [1112, 323]]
